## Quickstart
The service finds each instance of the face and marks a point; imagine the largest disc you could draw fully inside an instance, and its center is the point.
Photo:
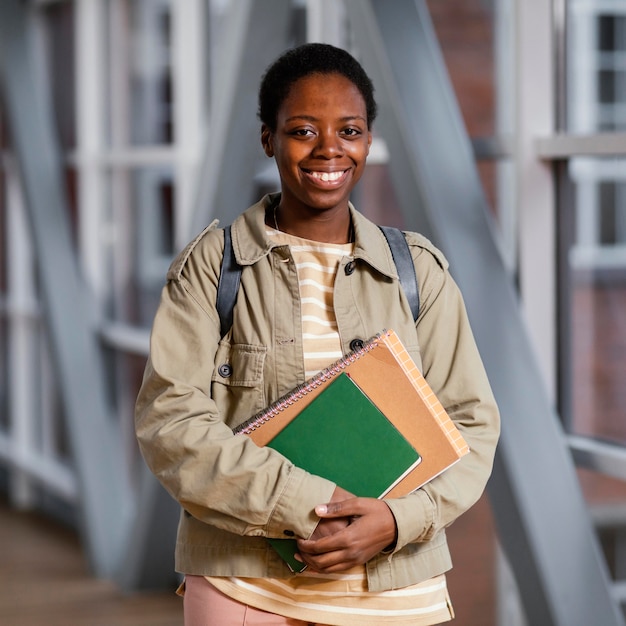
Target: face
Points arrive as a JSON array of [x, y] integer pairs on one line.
[[320, 143]]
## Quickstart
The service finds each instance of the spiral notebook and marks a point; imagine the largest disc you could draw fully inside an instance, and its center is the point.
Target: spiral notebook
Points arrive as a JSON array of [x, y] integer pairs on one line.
[[343, 436], [386, 378]]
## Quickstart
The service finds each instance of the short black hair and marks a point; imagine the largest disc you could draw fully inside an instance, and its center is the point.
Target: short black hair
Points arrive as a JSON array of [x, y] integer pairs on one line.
[[311, 58]]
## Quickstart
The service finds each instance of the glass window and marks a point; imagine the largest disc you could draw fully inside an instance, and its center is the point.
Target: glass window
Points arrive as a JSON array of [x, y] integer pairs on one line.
[[4, 334], [140, 73], [50, 434], [4, 373], [476, 42], [60, 57], [593, 232], [125, 376], [3, 212], [592, 227], [466, 36], [141, 240], [596, 56]]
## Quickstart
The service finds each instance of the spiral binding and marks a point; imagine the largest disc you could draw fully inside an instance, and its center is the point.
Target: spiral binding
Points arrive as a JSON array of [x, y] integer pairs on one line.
[[302, 390]]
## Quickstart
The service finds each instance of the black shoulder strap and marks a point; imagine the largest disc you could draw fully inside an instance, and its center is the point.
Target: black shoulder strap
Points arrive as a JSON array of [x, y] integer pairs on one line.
[[228, 284], [401, 254], [230, 275]]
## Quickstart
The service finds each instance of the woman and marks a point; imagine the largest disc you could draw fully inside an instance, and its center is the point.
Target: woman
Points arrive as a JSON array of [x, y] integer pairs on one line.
[[316, 276]]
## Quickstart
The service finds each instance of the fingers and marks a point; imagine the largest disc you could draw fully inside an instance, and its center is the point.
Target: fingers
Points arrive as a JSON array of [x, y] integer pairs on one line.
[[330, 554], [330, 526], [338, 552], [344, 508], [368, 527]]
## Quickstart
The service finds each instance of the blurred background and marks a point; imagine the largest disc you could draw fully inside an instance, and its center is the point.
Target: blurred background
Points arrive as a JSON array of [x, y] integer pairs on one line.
[[128, 125]]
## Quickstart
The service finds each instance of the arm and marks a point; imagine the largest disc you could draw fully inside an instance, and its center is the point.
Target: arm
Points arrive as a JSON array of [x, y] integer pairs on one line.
[[221, 479], [351, 531], [453, 367], [454, 370]]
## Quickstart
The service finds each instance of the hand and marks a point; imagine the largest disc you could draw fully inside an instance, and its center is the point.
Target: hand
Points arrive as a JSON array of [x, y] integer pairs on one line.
[[371, 529], [330, 525]]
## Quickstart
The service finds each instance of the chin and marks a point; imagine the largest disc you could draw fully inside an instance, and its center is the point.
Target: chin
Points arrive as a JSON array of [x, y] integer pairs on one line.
[[327, 201]]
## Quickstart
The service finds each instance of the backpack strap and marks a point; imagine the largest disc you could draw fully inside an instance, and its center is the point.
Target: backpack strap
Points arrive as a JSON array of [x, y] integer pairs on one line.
[[230, 275], [228, 284], [401, 254]]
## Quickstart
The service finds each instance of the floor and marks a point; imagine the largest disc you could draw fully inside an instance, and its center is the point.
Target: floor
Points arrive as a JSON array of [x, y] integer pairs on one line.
[[45, 579], [45, 582]]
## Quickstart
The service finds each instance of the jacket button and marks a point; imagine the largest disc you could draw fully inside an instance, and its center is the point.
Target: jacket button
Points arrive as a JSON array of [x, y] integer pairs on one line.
[[289, 533], [356, 344], [225, 370], [350, 267]]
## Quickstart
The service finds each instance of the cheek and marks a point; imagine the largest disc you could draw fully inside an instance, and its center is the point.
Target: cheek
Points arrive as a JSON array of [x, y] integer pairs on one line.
[[287, 168], [359, 153], [289, 159]]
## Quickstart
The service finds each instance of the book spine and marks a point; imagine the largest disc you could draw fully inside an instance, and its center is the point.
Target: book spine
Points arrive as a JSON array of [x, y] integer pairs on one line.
[[423, 389], [302, 390]]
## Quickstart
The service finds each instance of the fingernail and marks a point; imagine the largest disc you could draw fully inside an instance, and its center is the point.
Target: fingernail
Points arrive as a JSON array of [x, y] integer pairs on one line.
[[321, 509]]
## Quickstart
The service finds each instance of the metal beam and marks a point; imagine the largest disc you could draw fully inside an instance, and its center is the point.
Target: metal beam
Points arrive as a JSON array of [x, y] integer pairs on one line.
[[599, 456], [68, 309], [542, 518], [233, 148], [148, 561], [566, 146]]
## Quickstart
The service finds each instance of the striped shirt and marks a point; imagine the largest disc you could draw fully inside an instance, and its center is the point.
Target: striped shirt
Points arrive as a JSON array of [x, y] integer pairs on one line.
[[316, 265], [335, 599]]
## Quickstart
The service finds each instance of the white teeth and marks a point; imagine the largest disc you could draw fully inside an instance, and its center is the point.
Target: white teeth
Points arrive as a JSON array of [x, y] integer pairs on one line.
[[327, 176]]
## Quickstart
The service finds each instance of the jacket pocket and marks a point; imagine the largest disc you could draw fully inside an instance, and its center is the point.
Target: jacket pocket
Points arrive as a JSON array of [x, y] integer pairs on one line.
[[237, 381]]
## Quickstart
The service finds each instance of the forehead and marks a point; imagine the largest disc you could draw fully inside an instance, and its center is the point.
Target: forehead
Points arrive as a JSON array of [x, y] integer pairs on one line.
[[323, 93]]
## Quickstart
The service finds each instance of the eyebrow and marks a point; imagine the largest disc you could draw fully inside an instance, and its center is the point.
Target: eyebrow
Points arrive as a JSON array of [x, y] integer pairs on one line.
[[312, 118]]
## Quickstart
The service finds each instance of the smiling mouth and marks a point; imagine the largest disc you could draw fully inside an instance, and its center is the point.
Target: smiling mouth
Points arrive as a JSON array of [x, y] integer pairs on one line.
[[327, 177]]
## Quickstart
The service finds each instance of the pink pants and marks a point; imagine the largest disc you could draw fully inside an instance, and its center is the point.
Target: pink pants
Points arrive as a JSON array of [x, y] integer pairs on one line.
[[204, 605]]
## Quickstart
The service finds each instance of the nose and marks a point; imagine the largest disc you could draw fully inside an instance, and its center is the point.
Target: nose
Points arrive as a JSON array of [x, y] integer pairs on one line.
[[328, 145]]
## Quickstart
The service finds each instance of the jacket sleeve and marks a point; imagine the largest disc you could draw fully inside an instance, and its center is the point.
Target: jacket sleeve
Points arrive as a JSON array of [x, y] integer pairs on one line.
[[453, 368], [219, 478]]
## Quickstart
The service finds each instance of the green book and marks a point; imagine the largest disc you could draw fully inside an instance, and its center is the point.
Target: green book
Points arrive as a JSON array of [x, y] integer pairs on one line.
[[343, 436]]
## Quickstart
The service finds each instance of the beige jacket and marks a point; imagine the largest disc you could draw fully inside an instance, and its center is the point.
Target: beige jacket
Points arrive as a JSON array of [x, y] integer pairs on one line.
[[233, 494]]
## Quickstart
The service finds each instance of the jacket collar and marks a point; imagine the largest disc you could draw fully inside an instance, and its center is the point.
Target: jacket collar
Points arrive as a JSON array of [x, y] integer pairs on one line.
[[251, 244]]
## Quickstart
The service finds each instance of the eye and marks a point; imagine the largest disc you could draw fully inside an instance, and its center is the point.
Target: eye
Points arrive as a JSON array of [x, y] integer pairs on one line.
[[302, 132], [351, 132]]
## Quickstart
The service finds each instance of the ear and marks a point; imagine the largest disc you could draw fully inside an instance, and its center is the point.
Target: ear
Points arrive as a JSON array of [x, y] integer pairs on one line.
[[369, 141], [267, 141]]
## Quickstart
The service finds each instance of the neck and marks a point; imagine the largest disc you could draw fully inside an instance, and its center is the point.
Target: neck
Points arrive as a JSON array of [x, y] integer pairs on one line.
[[323, 228]]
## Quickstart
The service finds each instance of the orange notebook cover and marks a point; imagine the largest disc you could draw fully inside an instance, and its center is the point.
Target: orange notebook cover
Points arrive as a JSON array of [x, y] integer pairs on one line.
[[385, 372]]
